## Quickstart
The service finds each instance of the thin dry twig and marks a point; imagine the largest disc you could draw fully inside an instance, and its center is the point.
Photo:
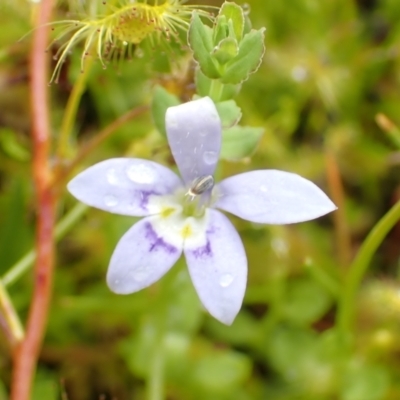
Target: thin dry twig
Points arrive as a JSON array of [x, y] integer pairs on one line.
[[90, 145], [342, 233]]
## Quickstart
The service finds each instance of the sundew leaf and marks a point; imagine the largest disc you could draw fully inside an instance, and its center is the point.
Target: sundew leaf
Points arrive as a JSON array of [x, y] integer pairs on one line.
[[234, 13], [201, 43], [162, 100], [239, 142], [248, 60]]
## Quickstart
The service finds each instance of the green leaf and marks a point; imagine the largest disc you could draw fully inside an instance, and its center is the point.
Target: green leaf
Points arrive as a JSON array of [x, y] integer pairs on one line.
[[229, 113], [201, 43], [10, 145], [162, 99], [240, 142], [203, 85], [248, 60], [288, 347], [45, 387], [306, 301], [234, 13], [366, 382], [219, 371], [226, 50]]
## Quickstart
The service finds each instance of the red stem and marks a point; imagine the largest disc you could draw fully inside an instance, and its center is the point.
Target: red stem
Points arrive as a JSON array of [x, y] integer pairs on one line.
[[27, 351]]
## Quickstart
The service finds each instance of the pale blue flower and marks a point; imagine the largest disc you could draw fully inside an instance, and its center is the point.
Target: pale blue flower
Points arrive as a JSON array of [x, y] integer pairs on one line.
[[181, 216]]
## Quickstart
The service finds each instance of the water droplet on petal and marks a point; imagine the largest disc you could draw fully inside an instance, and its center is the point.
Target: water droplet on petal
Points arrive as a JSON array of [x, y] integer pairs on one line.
[[110, 200], [210, 157], [225, 280], [139, 275], [141, 173], [203, 133], [214, 116], [187, 162], [112, 176], [172, 122]]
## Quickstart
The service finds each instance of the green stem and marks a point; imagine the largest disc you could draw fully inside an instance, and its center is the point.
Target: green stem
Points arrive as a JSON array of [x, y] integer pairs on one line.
[[28, 259], [14, 330], [71, 110], [359, 266], [216, 90], [323, 277], [156, 378]]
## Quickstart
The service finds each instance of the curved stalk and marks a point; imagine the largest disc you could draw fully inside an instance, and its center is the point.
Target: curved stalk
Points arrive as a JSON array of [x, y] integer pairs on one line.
[[359, 267]]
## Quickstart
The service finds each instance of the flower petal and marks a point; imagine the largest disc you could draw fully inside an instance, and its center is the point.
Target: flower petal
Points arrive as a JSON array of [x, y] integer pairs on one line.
[[142, 256], [218, 267], [272, 197], [128, 186], [194, 135]]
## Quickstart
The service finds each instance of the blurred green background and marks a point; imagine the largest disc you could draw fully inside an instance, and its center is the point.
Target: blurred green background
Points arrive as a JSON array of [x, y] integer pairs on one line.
[[329, 69]]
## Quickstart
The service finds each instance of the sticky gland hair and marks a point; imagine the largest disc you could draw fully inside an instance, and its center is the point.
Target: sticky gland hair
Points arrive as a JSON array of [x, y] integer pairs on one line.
[[124, 24]]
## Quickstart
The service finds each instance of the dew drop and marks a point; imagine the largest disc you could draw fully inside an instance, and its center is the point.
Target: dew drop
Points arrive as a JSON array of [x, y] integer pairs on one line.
[[139, 276], [110, 200], [203, 133], [246, 8], [172, 122], [225, 280], [215, 116], [187, 162], [210, 157], [141, 173], [299, 73], [139, 53], [112, 177]]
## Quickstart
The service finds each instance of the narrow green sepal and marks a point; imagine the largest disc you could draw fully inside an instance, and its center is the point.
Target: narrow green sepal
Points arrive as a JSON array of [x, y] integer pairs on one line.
[[200, 40], [226, 50], [248, 60], [162, 99], [234, 13], [221, 29], [229, 113], [247, 24]]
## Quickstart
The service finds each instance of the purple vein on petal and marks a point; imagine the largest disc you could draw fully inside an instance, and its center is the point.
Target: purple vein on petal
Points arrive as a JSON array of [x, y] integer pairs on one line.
[[145, 196], [203, 251], [156, 242]]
